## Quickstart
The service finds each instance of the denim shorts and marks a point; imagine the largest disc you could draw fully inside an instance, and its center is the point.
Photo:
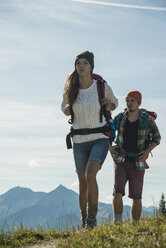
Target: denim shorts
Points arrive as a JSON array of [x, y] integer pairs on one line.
[[92, 150]]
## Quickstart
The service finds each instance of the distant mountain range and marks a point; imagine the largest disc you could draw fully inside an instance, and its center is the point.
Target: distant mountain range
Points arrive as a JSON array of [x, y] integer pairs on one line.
[[57, 209]]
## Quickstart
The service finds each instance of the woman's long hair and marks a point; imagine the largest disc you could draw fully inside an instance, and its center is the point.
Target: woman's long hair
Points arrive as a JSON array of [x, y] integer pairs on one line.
[[72, 87]]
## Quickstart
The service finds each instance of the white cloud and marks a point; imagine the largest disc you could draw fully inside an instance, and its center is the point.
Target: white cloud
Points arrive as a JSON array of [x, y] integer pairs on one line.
[[33, 164], [122, 5]]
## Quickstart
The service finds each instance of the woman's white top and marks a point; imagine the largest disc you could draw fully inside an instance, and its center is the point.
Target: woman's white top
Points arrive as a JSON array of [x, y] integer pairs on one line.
[[86, 110]]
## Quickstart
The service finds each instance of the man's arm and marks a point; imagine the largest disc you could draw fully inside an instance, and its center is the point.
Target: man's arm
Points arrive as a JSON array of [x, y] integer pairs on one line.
[[145, 154], [156, 137]]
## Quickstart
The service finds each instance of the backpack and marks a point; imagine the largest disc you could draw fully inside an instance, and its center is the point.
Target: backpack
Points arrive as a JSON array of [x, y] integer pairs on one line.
[[108, 129], [146, 113]]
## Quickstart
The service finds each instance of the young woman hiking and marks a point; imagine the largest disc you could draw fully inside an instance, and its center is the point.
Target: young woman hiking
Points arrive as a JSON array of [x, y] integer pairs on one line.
[[81, 101]]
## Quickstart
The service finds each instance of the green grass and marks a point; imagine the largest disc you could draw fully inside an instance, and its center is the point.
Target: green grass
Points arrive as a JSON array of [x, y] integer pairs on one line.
[[22, 237], [149, 233]]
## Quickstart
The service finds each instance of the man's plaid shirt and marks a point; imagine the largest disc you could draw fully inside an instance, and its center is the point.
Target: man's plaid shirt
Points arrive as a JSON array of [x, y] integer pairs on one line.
[[152, 129]]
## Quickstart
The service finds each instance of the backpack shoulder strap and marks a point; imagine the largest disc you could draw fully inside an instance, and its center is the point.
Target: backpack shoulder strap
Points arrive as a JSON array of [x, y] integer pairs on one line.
[[100, 86], [100, 90], [118, 120], [101, 94], [147, 120], [146, 125]]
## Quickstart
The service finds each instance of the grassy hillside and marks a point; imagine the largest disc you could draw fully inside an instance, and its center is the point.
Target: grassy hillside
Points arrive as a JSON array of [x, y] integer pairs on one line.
[[149, 233]]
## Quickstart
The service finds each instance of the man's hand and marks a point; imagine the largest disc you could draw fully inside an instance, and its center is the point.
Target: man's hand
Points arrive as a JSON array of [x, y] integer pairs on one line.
[[143, 156], [113, 152]]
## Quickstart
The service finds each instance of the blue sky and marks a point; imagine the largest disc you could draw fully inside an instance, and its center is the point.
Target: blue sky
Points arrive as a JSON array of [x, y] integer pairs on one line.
[[39, 40]]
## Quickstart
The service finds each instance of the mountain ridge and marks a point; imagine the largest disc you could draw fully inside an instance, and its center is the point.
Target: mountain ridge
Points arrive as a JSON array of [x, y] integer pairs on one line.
[[58, 209]]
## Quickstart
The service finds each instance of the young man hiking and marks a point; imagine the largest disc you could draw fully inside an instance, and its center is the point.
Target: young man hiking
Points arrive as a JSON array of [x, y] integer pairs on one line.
[[137, 136]]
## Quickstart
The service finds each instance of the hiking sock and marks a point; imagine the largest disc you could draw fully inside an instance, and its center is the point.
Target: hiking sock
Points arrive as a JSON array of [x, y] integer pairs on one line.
[[117, 218], [84, 218], [92, 212]]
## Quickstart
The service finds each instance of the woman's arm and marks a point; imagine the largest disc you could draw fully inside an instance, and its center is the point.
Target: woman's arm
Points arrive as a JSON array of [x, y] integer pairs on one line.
[[65, 107], [110, 100]]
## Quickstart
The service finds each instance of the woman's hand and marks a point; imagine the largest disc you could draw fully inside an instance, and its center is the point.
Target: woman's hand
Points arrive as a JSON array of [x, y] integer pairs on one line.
[[109, 105], [67, 109]]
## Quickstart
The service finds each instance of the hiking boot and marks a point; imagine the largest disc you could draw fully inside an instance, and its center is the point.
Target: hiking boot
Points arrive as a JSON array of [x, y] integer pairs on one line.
[[118, 219], [134, 222], [91, 222], [84, 222]]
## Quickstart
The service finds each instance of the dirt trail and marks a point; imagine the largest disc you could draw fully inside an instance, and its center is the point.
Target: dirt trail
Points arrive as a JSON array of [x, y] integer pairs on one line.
[[45, 244]]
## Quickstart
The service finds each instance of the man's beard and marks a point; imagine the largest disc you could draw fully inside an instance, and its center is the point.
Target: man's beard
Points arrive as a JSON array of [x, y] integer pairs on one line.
[[131, 110]]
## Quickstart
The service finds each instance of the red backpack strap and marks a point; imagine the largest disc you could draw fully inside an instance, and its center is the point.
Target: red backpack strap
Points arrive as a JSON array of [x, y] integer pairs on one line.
[[101, 93], [96, 77], [151, 113], [100, 90], [100, 86]]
